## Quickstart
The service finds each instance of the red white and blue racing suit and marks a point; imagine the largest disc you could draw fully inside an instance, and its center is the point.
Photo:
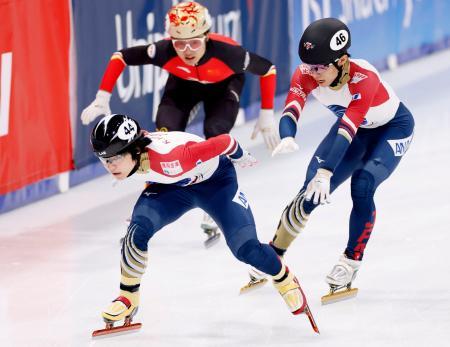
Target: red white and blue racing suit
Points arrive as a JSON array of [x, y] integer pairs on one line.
[[372, 133], [186, 172]]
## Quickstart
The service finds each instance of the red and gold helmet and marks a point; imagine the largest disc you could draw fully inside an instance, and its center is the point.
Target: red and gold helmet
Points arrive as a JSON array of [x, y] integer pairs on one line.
[[187, 19]]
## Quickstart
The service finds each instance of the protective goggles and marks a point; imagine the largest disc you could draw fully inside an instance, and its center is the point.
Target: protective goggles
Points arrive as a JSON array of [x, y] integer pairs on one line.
[[317, 68], [112, 160], [194, 44]]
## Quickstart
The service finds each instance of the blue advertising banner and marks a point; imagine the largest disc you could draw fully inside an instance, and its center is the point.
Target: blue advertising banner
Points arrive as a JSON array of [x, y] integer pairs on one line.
[[104, 26], [266, 32], [382, 30]]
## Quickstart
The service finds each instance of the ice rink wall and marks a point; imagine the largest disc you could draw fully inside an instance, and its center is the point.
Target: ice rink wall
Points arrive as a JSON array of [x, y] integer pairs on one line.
[[54, 52]]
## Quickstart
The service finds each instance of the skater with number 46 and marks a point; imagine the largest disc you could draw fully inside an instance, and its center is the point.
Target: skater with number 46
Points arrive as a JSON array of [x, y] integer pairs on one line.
[[185, 172], [372, 133]]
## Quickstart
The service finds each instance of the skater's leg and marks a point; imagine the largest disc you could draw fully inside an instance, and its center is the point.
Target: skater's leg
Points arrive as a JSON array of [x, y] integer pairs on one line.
[[150, 214], [229, 207], [295, 216]]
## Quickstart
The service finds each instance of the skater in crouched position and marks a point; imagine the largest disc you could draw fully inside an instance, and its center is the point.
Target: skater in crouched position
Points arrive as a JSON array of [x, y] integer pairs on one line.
[[203, 67], [372, 133], [184, 172]]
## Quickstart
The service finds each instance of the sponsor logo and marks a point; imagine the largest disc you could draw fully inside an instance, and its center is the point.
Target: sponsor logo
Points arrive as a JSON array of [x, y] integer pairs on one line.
[[171, 168], [358, 77], [400, 146], [298, 90], [149, 193], [308, 45], [356, 96], [319, 160], [240, 199]]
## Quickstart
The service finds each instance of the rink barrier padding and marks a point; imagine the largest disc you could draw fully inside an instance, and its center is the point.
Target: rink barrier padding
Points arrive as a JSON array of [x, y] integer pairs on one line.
[[386, 33]]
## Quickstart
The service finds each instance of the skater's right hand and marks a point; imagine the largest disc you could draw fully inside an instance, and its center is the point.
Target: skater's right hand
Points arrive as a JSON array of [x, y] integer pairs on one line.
[[287, 145], [246, 160], [100, 106]]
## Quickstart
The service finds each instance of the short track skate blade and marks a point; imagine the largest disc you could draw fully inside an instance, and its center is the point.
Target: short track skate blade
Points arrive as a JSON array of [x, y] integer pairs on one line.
[[339, 296], [117, 330], [252, 286], [212, 240], [311, 319]]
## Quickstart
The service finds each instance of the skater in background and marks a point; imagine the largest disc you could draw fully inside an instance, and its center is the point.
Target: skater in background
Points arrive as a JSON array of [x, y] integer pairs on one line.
[[203, 67], [372, 133], [185, 172]]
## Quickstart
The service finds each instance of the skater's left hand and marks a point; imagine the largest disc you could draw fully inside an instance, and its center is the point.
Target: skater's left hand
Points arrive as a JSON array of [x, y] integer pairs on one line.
[[319, 187], [267, 126], [246, 160]]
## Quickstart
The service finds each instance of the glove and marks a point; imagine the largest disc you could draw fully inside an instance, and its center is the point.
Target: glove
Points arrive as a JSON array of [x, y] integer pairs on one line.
[[319, 187], [100, 106], [267, 126], [246, 160], [287, 145]]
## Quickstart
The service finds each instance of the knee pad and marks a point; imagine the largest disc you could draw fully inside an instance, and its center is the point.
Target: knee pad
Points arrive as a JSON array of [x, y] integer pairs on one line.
[[249, 251], [148, 221], [362, 185]]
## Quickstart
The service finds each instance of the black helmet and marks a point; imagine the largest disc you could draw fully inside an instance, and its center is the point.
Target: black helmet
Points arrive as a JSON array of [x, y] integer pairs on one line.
[[324, 41], [114, 134]]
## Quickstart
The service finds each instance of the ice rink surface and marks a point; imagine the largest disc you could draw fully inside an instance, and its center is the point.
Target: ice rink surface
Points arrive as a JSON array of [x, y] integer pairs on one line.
[[59, 258]]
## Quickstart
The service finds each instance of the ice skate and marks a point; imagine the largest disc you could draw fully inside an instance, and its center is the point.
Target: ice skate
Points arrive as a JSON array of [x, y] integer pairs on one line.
[[289, 288], [340, 281], [211, 230], [257, 280], [123, 308]]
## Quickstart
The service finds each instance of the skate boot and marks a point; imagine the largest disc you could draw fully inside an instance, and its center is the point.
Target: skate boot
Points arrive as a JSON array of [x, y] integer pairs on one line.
[[289, 288], [123, 308], [257, 279], [211, 230], [340, 280]]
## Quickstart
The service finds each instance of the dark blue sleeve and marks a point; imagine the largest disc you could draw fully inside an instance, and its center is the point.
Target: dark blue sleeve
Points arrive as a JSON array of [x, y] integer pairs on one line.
[[287, 127], [337, 151]]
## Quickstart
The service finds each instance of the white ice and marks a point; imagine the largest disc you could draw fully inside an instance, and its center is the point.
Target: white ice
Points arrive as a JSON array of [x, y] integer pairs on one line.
[[59, 258]]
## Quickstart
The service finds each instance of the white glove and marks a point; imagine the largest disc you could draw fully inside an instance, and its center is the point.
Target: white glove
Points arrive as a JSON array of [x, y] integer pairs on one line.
[[267, 126], [319, 187], [287, 145], [246, 160], [100, 106]]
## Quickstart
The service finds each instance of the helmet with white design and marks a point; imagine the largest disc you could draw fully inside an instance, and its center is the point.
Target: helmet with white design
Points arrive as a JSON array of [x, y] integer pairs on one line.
[[115, 134], [324, 41], [187, 19]]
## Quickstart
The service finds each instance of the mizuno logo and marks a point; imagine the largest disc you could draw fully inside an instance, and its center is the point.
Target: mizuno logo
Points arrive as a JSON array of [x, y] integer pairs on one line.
[[319, 160]]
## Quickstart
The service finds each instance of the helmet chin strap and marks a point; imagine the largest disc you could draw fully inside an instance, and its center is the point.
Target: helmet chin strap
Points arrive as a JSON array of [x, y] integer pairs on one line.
[[136, 156], [339, 75], [136, 167]]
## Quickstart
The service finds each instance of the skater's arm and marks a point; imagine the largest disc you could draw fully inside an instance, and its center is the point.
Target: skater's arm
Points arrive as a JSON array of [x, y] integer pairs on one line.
[[223, 144]]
